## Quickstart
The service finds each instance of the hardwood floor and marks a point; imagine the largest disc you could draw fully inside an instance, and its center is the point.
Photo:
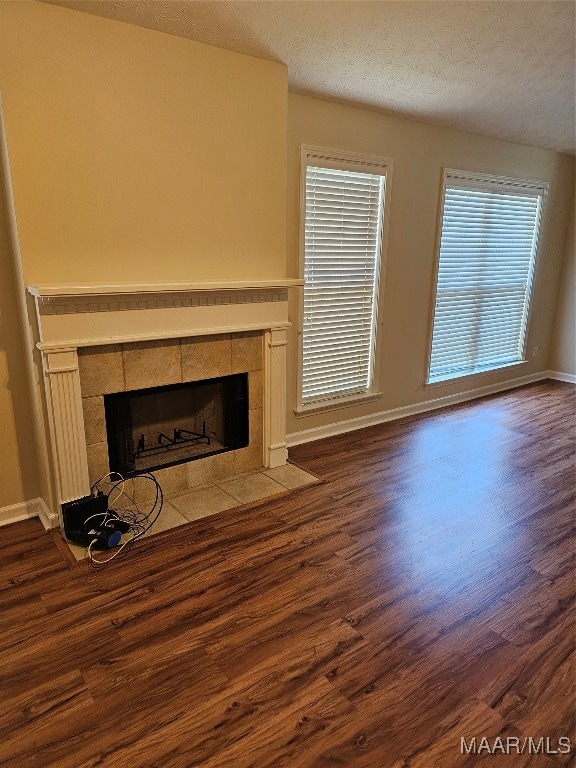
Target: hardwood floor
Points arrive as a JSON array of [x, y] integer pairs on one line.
[[422, 594]]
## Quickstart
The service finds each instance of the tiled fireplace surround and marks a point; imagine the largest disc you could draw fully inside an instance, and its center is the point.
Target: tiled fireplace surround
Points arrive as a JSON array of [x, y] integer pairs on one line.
[[100, 339]]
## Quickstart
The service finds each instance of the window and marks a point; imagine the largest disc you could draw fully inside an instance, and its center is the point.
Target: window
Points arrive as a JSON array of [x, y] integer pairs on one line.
[[342, 234], [486, 262]]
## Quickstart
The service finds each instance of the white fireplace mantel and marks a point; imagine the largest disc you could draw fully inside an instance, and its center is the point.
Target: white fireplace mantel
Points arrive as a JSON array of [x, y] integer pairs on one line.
[[71, 316], [85, 315]]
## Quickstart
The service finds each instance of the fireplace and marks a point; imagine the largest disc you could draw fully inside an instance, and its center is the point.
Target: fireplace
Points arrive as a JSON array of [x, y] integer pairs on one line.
[[156, 427]]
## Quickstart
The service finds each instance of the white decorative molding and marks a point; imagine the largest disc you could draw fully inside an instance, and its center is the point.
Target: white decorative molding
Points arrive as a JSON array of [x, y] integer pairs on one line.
[[569, 378], [27, 510], [79, 304], [75, 316], [48, 518], [276, 451], [150, 335], [351, 425], [17, 512], [66, 423]]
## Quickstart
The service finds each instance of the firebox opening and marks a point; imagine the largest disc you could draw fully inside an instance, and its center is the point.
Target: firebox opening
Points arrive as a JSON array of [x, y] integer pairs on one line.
[[153, 428]]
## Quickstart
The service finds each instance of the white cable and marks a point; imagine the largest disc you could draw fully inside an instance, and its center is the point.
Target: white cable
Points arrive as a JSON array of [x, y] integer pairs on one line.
[[100, 514], [108, 559], [108, 474], [114, 484], [115, 499]]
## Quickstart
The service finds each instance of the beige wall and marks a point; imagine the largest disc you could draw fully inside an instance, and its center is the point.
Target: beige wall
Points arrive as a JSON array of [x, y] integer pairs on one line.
[[18, 466], [563, 350], [419, 152], [137, 155]]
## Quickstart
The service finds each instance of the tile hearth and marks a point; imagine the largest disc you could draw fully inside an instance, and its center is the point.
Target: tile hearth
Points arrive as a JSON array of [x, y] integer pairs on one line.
[[210, 499]]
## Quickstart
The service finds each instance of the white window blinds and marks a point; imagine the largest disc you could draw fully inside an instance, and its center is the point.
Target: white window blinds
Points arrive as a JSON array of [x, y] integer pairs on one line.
[[485, 268], [342, 244]]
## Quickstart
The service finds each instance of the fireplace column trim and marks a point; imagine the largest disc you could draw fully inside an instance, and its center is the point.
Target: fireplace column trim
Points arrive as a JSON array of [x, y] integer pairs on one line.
[[66, 422], [275, 448]]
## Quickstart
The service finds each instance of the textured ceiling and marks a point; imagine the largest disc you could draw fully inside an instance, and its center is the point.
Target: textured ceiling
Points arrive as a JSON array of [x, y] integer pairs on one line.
[[501, 68]]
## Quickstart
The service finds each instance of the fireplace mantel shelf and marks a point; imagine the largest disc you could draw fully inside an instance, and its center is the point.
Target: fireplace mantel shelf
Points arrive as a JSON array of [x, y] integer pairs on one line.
[[117, 289]]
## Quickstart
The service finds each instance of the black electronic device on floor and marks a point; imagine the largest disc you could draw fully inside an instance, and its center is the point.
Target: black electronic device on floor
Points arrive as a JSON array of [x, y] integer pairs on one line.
[[88, 521]]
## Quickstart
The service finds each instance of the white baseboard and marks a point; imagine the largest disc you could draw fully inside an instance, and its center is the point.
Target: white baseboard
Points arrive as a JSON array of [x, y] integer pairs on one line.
[[27, 509], [48, 518], [570, 378], [350, 425]]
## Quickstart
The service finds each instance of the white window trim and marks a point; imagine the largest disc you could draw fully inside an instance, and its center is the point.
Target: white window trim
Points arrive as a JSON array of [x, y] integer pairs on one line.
[[512, 184], [373, 164]]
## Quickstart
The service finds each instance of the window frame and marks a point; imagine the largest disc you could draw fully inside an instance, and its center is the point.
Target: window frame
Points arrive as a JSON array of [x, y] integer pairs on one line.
[[476, 181], [343, 160]]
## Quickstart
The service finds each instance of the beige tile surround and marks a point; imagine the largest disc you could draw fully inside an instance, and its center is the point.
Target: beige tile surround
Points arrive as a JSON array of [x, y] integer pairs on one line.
[[124, 367]]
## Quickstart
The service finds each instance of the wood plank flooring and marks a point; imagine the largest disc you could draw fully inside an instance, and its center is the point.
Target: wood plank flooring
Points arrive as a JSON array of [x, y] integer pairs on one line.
[[422, 594]]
